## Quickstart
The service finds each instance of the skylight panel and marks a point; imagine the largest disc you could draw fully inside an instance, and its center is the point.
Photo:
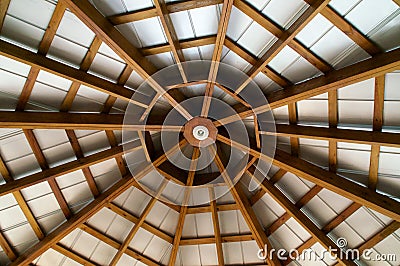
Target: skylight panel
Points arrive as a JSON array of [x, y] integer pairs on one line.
[[388, 36], [182, 25]]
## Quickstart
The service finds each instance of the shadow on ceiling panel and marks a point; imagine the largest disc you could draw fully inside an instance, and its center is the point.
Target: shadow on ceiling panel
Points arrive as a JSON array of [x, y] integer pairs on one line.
[[66, 52], [161, 60], [106, 67], [387, 36], [359, 91], [21, 32], [88, 100], [356, 112], [306, 110]]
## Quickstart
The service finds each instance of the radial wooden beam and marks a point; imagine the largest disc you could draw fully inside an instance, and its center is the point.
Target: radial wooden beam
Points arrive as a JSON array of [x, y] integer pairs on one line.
[[217, 231], [124, 246], [184, 44], [63, 169], [172, 37], [7, 248], [333, 121], [278, 31], [212, 240], [284, 40], [260, 193], [336, 134], [303, 220], [72, 255], [43, 63], [377, 127], [3, 11], [216, 57], [294, 140], [171, 7], [113, 243], [94, 20], [245, 207], [184, 207], [326, 179]]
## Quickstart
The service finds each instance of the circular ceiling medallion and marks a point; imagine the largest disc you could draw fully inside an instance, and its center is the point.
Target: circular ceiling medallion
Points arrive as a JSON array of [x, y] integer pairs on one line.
[[197, 132]]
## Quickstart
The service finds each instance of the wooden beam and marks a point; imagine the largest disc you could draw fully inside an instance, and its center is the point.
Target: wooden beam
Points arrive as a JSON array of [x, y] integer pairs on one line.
[[260, 193], [377, 127], [337, 134], [326, 179], [63, 169], [211, 240], [113, 243], [7, 248], [76, 147], [94, 20], [217, 53], [43, 63], [217, 231], [124, 246], [72, 255], [184, 44], [3, 11], [171, 7], [284, 40], [378, 237], [146, 226], [37, 151], [219, 207], [27, 89], [375, 66], [346, 213], [245, 207], [278, 31], [184, 207], [333, 121], [172, 37], [294, 140], [302, 219], [353, 33]]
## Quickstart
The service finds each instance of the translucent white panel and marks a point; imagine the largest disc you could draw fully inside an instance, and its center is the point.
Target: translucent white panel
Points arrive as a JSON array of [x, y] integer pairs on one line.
[[238, 22], [356, 112], [365, 225], [284, 11], [109, 8], [51, 257], [228, 222], [77, 193], [286, 238], [314, 30], [14, 66], [36, 12], [120, 228], [75, 30], [103, 254], [134, 80], [94, 143], [234, 60], [141, 240], [43, 205], [51, 221], [182, 25], [106, 50], [390, 245], [292, 187], [281, 113], [392, 80], [353, 159], [137, 4], [67, 51], [301, 70], [334, 201], [47, 95], [21, 32], [129, 31], [315, 155], [205, 20], [255, 39], [283, 59], [189, 255], [388, 163], [161, 60], [306, 110], [298, 229], [136, 202], [319, 211], [232, 253], [150, 37], [156, 248], [191, 54], [358, 16], [391, 114], [88, 100], [11, 217], [11, 83], [343, 6], [250, 251], [208, 254], [331, 45], [102, 219], [106, 67], [353, 146], [388, 36], [351, 56], [363, 90], [207, 51], [346, 231]]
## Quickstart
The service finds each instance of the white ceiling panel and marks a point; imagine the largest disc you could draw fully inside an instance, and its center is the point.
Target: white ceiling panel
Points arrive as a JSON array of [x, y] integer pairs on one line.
[[129, 31], [22, 32], [356, 112], [103, 254], [283, 11], [36, 12], [66, 51], [50, 257], [306, 111], [94, 143], [156, 248], [343, 6], [364, 223], [147, 37], [391, 86], [321, 213], [353, 159], [390, 114], [283, 59], [388, 36], [72, 29], [293, 187], [191, 54], [48, 96], [106, 67], [365, 23], [208, 254], [314, 30], [363, 90], [189, 255], [109, 8], [182, 25], [137, 4], [205, 20], [10, 83], [250, 251], [232, 253], [300, 70], [286, 238], [13, 66], [390, 245], [161, 60], [255, 39], [238, 23]]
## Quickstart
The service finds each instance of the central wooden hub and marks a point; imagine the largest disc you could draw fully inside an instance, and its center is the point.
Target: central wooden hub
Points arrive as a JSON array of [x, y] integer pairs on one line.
[[200, 132]]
